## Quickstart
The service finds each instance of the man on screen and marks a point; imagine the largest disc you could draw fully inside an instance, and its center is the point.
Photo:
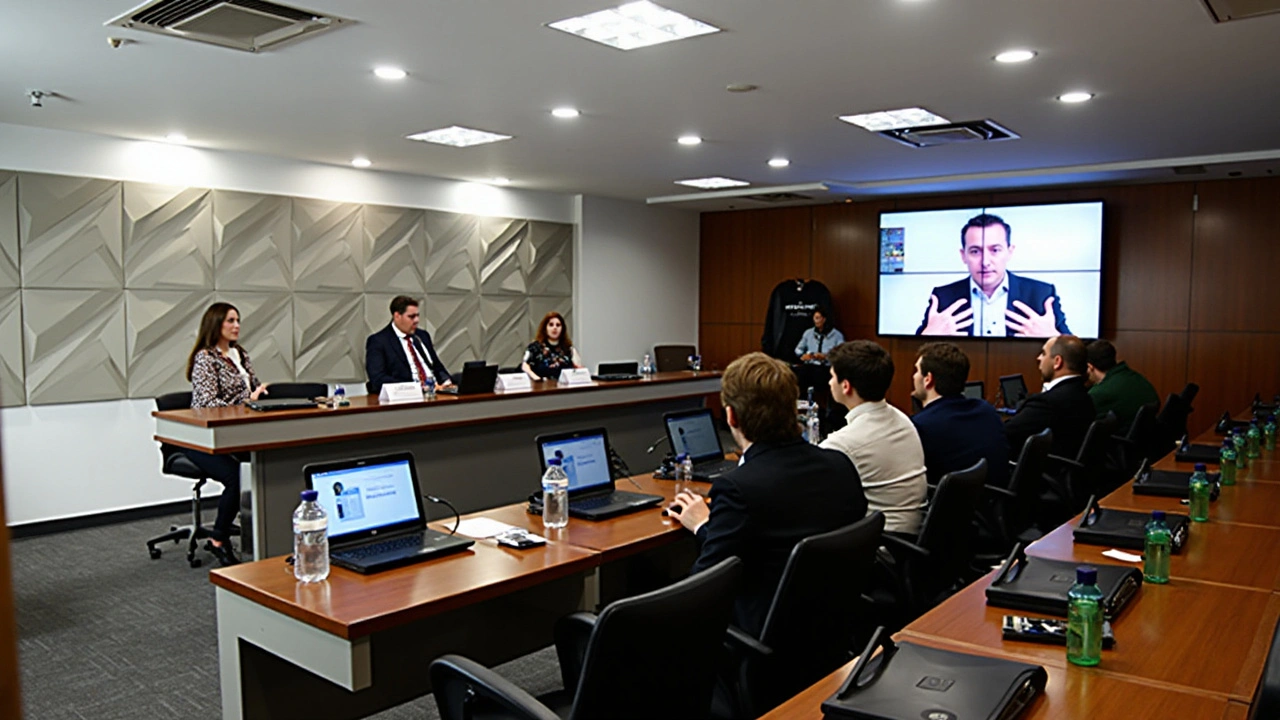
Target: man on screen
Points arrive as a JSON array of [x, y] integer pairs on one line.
[[992, 301]]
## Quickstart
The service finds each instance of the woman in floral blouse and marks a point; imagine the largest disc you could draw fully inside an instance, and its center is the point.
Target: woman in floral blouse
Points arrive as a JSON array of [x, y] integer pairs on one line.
[[552, 351], [221, 375]]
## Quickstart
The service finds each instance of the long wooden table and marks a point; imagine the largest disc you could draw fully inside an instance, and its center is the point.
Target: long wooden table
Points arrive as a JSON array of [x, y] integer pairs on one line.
[[474, 450]]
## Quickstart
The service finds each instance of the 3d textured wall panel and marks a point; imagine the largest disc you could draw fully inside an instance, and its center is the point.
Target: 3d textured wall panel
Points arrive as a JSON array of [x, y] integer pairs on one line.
[[395, 250], [506, 258], [329, 333], [10, 270], [551, 264], [453, 244], [266, 332], [69, 232], [168, 237], [252, 242], [12, 391], [74, 343], [456, 329], [160, 327], [328, 246]]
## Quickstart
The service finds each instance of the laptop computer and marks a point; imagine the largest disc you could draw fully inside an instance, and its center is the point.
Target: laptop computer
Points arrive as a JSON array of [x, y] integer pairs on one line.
[[1014, 390], [477, 377], [976, 390], [672, 358], [375, 513], [584, 455], [268, 404], [617, 371], [694, 432]]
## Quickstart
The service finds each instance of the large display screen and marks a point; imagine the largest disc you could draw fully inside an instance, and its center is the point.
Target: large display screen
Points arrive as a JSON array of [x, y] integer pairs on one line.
[[1014, 271]]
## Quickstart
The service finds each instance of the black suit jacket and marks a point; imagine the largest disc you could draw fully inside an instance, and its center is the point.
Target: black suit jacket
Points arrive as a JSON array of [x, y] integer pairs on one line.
[[385, 360], [1067, 409], [957, 432], [779, 496], [1031, 292]]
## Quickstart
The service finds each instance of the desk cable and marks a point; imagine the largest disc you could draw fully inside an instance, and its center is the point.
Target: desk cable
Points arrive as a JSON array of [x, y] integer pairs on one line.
[[457, 519]]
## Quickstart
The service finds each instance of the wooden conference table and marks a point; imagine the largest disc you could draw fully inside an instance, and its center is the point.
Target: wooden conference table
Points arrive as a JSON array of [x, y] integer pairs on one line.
[[356, 644], [1192, 648], [477, 451]]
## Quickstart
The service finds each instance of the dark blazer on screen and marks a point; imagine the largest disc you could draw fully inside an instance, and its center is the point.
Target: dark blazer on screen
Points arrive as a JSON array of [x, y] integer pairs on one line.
[[385, 361], [1031, 292], [1067, 409]]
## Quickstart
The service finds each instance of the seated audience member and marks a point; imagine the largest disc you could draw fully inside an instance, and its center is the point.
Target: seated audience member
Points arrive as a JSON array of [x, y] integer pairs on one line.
[[878, 437], [402, 352], [551, 351], [784, 491], [818, 340], [1063, 405], [956, 431], [221, 375], [1114, 386]]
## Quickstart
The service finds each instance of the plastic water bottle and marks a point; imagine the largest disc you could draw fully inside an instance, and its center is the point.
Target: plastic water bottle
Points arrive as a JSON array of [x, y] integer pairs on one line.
[[555, 496], [310, 540], [684, 472], [429, 388], [1159, 544], [812, 425], [1269, 433], [1227, 462], [1253, 443], [340, 396], [1084, 618], [1199, 490], [646, 365], [1240, 441]]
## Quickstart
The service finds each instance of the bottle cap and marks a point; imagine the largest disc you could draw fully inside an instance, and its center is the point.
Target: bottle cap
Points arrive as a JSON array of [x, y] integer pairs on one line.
[[1087, 575], [1157, 515], [682, 457], [553, 461], [309, 495], [1199, 467]]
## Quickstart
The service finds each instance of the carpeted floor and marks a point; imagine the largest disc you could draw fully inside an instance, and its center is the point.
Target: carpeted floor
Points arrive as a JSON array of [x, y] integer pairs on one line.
[[104, 632]]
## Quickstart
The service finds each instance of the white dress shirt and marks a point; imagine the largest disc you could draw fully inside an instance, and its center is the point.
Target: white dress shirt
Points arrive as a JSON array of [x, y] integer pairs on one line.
[[886, 451], [1049, 385], [425, 362], [988, 312]]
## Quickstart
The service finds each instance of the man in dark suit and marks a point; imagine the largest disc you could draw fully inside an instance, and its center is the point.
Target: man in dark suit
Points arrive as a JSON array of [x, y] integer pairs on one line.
[[784, 491], [956, 431], [402, 352], [1063, 405], [992, 301]]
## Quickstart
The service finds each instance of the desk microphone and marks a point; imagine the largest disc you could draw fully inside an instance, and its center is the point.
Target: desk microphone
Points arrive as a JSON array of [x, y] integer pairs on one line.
[[655, 445]]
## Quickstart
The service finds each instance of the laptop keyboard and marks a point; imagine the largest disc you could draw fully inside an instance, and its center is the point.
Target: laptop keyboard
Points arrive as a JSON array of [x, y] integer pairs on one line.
[[389, 545]]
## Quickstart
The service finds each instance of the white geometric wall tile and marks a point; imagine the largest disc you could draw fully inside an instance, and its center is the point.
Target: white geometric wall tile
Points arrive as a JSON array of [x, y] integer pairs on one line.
[[506, 257], [10, 272], [266, 332], [160, 329], [456, 330], [328, 250], [551, 272], [453, 253], [74, 343], [252, 242], [12, 391], [507, 330], [377, 311], [168, 237], [395, 250], [69, 232], [329, 336]]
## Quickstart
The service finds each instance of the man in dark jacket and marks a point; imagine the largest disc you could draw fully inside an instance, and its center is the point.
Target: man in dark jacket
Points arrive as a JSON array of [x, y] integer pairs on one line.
[[1115, 387], [1063, 405], [956, 431], [784, 491], [401, 351]]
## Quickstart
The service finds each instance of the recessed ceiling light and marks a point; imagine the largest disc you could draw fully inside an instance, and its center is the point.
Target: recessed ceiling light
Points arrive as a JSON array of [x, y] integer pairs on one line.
[[566, 112], [175, 137], [458, 136], [1077, 96], [1015, 56], [361, 162], [689, 140], [894, 119], [634, 25], [712, 183], [779, 162], [499, 180], [387, 72]]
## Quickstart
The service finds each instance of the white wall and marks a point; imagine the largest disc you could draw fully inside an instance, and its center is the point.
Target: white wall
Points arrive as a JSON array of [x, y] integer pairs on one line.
[[636, 278]]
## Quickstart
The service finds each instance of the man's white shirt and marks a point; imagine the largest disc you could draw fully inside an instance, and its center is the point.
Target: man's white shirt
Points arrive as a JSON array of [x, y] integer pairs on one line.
[[988, 312]]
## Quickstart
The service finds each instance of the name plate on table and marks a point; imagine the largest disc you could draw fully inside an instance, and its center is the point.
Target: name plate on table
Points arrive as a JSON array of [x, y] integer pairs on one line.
[[400, 392], [575, 376], [513, 382]]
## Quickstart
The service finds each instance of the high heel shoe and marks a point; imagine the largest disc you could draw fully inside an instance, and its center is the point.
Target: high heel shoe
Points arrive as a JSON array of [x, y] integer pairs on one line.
[[225, 553]]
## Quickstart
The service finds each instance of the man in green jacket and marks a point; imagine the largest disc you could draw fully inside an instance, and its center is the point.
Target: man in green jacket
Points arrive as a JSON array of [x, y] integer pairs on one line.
[[1115, 387]]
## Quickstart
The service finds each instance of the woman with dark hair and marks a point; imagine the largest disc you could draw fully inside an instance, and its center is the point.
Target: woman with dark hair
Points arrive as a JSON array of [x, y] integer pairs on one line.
[[221, 375], [551, 351]]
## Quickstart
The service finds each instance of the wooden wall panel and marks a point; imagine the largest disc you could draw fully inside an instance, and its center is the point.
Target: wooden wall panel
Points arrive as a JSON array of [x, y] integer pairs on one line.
[[1237, 256], [1230, 368], [1147, 266], [723, 285], [846, 240], [1161, 357], [778, 243]]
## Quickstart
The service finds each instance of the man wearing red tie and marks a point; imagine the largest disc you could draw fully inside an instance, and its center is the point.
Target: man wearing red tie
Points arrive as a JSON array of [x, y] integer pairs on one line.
[[402, 352]]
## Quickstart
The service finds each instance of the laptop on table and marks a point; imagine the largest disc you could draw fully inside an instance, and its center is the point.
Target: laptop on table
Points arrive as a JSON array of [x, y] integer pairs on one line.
[[694, 432], [584, 455], [1014, 390], [477, 377], [376, 521], [976, 389], [269, 404], [617, 371]]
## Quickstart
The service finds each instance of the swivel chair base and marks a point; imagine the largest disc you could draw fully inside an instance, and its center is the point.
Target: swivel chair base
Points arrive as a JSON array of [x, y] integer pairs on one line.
[[194, 533]]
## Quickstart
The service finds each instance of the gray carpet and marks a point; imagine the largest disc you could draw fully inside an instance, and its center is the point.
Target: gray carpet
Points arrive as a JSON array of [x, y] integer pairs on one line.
[[104, 632]]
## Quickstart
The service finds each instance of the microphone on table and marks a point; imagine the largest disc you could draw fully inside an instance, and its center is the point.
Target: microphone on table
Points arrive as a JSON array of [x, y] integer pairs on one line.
[[655, 445]]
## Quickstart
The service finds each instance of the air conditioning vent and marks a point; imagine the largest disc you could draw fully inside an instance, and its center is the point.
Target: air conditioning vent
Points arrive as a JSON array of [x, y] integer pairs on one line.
[[777, 197], [1226, 10], [250, 25], [963, 132]]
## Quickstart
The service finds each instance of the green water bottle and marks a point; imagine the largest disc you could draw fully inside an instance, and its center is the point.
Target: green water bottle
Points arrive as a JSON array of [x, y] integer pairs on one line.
[[1240, 441], [1084, 618], [1159, 544], [1269, 433], [1254, 441], [1227, 462], [1199, 489]]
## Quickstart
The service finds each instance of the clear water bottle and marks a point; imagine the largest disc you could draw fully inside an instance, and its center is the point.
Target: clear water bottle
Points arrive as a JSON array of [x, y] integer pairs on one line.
[[1084, 618], [429, 388], [695, 363], [1198, 491], [555, 496], [1253, 441], [1269, 433], [1240, 441], [646, 365], [1227, 462], [684, 472], [812, 425], [340, 397], [310, 540], [1159, 544]]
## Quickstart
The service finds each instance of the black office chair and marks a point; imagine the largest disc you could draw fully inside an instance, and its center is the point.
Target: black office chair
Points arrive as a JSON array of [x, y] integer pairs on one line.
[[1266, 699], [1171, 426], [812, 623], [1008, 514], [175, 462], [1071, 481], [306, 390], [1188, 395], [622, 664], [1132, 448]]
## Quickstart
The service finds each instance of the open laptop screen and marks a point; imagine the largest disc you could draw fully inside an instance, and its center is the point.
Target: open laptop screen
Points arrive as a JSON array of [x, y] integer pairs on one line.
[[366, 497], [975, 390], [584, 457], [1014, 389], [694, 433]]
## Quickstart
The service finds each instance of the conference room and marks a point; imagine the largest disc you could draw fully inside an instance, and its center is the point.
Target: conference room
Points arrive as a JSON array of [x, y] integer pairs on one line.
[[657, 187]]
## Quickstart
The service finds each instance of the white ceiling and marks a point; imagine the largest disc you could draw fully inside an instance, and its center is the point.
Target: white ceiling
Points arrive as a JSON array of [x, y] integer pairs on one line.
[[1170, 83]]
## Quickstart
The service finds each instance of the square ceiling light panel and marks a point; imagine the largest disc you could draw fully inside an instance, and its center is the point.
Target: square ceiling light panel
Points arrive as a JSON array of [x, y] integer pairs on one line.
[[634, 25], [895, 119], [712, 183], [458, 136]]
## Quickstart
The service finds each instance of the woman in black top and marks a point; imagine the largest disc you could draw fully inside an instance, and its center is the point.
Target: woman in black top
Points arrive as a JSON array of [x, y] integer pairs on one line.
[[552, 351]]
